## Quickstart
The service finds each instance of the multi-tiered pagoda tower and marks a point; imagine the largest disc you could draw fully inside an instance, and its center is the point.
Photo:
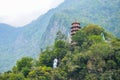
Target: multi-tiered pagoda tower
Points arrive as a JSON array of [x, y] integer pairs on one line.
[[75, 27]]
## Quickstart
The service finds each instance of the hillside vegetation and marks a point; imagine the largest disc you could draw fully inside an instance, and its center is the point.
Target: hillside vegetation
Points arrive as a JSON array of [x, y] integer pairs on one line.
[[27, 40], [93, 58]]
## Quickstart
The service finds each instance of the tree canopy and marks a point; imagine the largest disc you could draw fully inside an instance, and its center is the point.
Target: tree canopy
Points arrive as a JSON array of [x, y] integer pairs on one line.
[[91, 59]]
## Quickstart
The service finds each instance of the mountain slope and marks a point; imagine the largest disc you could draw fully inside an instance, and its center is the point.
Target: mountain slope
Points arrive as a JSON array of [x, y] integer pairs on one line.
[[28, 40], [101, 12], [26, 43], [8, 36], [6, 32]]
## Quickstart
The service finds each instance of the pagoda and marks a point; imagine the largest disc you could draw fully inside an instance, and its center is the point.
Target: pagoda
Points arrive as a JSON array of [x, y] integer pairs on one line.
[[75, 27]]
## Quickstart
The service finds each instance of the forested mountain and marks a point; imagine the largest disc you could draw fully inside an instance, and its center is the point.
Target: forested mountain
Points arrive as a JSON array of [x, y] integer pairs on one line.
[[28, 40], [102, 12], [91, 58]]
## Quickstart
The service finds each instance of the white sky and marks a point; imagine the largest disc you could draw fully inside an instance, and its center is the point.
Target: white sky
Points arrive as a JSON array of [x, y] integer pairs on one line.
[[21, 12]]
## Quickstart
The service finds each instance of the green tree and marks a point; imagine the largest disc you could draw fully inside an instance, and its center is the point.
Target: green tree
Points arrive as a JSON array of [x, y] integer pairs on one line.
[[93, 29], [107, 76], [59, 44], [25, 71], [116, 73], [58, 74], [12, 76], [40, 73], [1, 77], [94, 39], [24, 62], [101, 50], [91, 77], [60, 36], [98, 55], [15, 70], [46, 58], [111, 64], [59, 49], [16, 77], [80, 37]]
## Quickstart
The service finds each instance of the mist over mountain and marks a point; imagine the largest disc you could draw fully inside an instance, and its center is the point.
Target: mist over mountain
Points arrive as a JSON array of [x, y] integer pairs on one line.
[[28, 40]]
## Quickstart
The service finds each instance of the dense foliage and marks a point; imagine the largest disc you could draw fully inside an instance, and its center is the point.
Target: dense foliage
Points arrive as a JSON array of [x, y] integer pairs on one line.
[[93, 58]]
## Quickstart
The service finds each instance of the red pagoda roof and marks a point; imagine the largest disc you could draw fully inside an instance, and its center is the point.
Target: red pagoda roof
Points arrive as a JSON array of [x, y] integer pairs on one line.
[[75, 23]]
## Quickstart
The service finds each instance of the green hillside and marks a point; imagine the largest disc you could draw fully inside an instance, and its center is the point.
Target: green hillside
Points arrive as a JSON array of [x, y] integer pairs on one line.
[[40, 33], [93, 58]]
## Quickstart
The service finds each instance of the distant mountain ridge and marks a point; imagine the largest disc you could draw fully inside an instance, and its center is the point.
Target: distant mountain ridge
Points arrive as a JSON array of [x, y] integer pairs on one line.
[[6, 32], [28, 40]]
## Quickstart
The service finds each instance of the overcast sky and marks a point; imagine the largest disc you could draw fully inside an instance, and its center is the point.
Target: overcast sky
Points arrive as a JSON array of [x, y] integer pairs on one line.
[[21, 12]]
